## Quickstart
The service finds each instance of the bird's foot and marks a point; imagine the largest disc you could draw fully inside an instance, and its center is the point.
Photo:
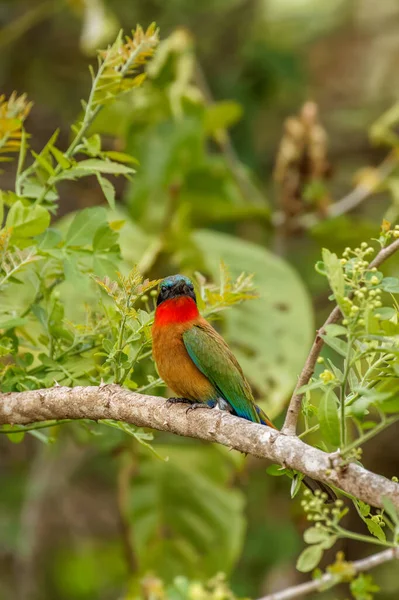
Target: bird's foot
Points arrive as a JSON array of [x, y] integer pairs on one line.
[[196, 405], [171, 401]]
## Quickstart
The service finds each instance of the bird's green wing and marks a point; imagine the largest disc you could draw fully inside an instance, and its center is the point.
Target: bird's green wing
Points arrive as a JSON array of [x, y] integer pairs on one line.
[[214, 359]]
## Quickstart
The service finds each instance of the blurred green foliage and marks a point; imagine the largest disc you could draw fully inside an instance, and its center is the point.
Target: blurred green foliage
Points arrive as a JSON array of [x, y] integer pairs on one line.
[[181, 166]]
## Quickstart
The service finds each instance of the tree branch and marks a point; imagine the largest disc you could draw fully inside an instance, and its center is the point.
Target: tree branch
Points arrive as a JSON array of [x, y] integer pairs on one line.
[[329, 579], [294, 408], [114, 402]]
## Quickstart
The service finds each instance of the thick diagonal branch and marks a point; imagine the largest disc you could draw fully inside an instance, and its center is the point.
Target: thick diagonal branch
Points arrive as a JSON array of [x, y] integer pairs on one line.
[[114, 402], [294, 408]]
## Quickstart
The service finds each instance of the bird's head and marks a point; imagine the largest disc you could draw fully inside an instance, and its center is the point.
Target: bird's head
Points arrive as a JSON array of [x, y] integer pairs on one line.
[[175, 286]]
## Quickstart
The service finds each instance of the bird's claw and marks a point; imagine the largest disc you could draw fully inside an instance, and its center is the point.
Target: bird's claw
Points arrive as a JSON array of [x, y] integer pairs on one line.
[[195, 406], [171, 401]]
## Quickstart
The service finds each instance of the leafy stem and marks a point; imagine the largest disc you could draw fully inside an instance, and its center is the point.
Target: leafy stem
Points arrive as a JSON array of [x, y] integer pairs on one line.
[[343, 390]]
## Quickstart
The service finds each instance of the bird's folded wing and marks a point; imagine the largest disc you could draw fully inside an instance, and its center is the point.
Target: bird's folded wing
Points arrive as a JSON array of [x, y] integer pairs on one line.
[[213, 358]]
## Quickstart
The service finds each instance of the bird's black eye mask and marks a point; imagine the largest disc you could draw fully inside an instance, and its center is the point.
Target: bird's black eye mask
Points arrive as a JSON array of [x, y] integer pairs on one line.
[[170, 290]]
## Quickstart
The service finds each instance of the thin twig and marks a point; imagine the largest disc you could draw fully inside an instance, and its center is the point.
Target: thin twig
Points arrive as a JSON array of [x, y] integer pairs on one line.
[[294, 408], [329, 579], [349, 202]]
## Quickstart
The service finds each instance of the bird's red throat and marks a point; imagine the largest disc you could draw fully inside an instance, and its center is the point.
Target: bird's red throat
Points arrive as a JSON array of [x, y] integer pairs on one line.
[[176, 310]]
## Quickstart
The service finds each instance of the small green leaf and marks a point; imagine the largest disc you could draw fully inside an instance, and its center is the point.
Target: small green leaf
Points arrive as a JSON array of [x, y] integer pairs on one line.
[[103, 166], [334, 330], [315, 535], [363, 508], [27, 221], [328, 418], [222, 115], [309, 558], [108, 190], [276, 470], [121, 157], [376, 530], [336, 344], [64, 162], [335, 275], [390, 509]]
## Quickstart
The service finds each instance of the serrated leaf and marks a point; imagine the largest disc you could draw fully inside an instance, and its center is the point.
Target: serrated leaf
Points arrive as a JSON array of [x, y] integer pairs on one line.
[[309, 558], [103, 166], [328, 418]]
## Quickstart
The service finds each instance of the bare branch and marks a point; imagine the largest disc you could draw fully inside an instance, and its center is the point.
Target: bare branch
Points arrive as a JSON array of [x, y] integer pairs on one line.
[[328, 579], [349, 202], [114, 402], [294, 408]]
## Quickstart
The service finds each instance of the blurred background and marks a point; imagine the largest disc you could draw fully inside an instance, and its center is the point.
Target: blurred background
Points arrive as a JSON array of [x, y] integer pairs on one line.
[[258, 120]]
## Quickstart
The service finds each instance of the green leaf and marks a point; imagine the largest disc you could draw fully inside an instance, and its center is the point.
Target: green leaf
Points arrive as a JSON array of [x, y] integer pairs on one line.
[[336, 344], [363, 508], [189, 500], [315, 535], [390, 509], [27, 221], [84, 225], [222, 115], [335, 275], [121, 157], [376, 530], [276, 470], [271, 335], [328, 418], [95, 165], [334, 330], [1, 208], [104, 238], [390, 284], [62, 160], [108, 190], [309, 558]]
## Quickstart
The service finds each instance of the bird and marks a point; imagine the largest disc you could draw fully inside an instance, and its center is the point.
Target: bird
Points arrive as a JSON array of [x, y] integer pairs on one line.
[[196, 363]]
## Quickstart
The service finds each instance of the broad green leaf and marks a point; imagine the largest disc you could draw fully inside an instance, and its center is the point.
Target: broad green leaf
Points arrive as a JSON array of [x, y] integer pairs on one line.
[[270, 335], [188, 499], [34, 190], [309, 558], [329, 419], [84, 225], [27, 221], [376, 530]]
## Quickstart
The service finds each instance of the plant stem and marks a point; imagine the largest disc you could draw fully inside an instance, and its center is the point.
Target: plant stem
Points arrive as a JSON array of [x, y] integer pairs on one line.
[[343, 390], [370, 434]]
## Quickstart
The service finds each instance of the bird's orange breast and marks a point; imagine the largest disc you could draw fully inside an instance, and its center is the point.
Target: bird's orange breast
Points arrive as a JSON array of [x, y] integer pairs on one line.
[[172, 359]]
